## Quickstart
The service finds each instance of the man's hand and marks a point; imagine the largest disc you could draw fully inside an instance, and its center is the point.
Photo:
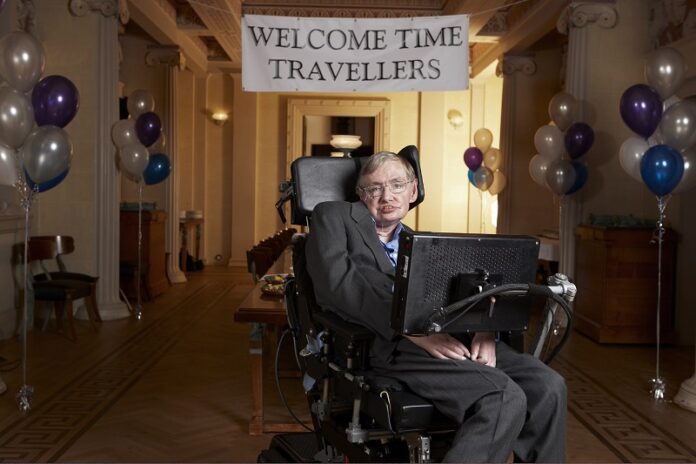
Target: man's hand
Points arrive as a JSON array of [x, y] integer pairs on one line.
[[443, 346], [483, 348]]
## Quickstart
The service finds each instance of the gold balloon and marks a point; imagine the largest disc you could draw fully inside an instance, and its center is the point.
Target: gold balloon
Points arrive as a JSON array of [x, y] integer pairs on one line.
[[499, 183], [483, 138], [493, 159]]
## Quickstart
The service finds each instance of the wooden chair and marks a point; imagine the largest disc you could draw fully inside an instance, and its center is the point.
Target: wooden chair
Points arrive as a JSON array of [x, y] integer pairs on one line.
[[60, 288]]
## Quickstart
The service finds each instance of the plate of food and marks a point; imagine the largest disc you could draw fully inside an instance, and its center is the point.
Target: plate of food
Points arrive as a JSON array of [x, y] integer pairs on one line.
[[275, 278], [273, 289]]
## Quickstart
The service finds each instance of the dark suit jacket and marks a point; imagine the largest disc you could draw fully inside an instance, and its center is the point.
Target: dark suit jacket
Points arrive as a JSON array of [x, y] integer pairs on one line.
[[350, 270]]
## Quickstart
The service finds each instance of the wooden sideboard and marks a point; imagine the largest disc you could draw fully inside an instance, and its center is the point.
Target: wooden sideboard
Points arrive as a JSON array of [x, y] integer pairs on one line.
[[616, 276], [153, 251]]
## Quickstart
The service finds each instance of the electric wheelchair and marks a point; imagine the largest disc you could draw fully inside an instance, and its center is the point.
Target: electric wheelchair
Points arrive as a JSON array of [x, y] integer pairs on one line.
[[358, 416]]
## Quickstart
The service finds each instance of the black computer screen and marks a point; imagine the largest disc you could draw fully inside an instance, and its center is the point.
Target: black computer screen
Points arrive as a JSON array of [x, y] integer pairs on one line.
[[435, 269]]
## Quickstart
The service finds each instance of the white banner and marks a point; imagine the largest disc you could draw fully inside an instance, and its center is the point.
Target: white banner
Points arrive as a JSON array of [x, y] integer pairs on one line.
[[282, 53]]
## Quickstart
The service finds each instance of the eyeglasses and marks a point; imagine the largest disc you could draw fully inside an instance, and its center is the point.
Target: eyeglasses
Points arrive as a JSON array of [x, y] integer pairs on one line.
[[376, 191]]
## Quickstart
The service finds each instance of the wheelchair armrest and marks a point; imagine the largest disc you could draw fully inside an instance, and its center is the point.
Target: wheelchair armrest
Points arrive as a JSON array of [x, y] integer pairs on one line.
[[342, 328]]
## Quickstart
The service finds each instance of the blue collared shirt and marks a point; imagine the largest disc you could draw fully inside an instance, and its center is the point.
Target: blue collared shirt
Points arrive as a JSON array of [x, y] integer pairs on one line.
[[391, 248]]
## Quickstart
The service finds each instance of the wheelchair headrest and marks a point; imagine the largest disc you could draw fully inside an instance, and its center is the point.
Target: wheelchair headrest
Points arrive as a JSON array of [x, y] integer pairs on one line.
[[319, 179]]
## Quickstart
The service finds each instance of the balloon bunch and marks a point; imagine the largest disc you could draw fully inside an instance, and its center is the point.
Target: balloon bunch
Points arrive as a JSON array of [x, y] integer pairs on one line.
[[663, 156], [549, 168], [484, 163], [35, 151], [140, 141]]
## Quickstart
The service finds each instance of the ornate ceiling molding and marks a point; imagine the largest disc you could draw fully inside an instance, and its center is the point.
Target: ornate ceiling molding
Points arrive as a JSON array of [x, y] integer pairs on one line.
[[169, 55], [108, 8], [26, 16], [580, 14], [511, 64]]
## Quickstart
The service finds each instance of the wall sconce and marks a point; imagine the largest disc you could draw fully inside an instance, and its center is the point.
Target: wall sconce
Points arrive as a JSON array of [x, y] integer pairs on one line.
[[455, 118], [220, 117]]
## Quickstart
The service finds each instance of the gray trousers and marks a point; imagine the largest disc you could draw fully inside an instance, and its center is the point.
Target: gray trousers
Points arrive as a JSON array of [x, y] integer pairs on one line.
[[517, 407]]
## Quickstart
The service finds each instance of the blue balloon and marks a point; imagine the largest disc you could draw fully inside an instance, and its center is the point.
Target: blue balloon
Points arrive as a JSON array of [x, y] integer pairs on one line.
[[661, 168], [158, 169], [49, 184], [470, 175], [580, 176]]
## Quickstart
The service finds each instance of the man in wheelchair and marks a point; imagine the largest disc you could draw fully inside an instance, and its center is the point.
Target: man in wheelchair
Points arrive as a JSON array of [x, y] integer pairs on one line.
[[501, 401]]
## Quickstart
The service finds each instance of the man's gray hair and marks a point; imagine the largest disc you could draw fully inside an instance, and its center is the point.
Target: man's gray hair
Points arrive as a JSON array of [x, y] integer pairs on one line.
[[375, 161]]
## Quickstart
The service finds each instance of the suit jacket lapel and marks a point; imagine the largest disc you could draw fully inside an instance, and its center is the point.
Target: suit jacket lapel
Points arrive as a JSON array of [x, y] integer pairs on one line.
[[366, 227]]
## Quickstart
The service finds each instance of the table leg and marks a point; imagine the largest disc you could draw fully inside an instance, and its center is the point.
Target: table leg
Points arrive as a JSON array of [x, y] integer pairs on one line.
[[256, 359]]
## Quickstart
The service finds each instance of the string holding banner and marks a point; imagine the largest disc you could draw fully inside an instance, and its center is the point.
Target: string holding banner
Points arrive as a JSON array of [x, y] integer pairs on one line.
[[364, 55]]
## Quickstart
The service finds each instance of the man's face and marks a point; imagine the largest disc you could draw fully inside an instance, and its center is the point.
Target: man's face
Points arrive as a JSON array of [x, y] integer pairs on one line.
[[388, 208]]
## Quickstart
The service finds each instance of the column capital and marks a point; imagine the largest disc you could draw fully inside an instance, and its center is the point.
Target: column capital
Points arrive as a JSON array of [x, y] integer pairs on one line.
[[511, 64], [108, 8], [169, 55], [580, 14]]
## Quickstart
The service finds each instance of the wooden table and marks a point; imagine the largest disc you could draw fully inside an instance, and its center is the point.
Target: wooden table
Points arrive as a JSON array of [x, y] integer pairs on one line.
[[261, 310]]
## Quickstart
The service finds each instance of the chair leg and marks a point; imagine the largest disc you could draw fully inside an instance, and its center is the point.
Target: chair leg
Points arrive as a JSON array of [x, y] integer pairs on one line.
[[91, 307], [69, 316]]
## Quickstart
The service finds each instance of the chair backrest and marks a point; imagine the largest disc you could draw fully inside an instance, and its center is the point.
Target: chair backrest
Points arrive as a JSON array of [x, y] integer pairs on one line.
[[318, 179], [60, 245]]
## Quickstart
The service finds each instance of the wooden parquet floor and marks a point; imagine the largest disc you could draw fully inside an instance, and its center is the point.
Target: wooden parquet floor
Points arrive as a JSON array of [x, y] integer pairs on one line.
[[175, 387]]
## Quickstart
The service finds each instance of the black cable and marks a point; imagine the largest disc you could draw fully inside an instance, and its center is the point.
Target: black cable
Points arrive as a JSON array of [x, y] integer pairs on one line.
[[277, 379]]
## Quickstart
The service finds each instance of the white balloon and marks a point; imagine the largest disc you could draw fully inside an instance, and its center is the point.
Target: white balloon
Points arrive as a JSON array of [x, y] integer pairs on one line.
[[140, 101], [678, 125], [560, 176], [47, 153], [8, 166], [548, 141], [665, 71], [134, 159], [123, 133], [537, 169], [630, 155], [16, 117], [688, 180]]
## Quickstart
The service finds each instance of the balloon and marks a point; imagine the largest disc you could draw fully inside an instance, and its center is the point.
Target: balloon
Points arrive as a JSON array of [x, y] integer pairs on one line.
[[47, 153], [560, 176], [470, 175], [669, 102], [661, 168], [664, 71], [133, 159], [55, 100], [641, 109], [580, 176], [157, 169], [578, 139], [678, 125], [630, 155], [16, 117], [49, 184], [499, 183], [8, 166], [473, 158], [148, 127], [538, 166], [2, 4], [158, 146], [483, 138], [562, 109], [688, 180], [492, 159], [548, 141], [483, 178], [123, 133], [140, 101], [21, 60]]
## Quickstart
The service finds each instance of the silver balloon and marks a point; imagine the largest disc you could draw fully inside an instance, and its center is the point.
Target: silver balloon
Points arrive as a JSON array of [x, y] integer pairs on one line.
[[688, 180], [22, 60], [678, 125], [537, 169], [560, 176], [548, 141], [562, 110], [16, 117], [140, 101], [123, 133], [133, 159], [47, 153], [669, 102], [665, 70], [483, 178], [8, 166], [630, 155], [158, 146]]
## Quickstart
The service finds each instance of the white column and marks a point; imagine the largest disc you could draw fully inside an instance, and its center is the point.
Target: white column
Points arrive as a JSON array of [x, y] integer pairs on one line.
[[575, 22], [508, 67], [107, 190], [171, 57]]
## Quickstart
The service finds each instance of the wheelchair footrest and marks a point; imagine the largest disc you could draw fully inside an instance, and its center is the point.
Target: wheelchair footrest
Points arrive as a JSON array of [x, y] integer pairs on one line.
[[291, 447]]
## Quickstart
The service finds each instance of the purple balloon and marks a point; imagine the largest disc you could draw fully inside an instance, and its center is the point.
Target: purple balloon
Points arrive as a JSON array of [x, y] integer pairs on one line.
[[580, 176], [2, 4], [473, 158], [55, 100], [148, 127], [641, 109], [578, 139]]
